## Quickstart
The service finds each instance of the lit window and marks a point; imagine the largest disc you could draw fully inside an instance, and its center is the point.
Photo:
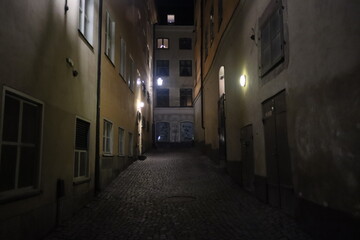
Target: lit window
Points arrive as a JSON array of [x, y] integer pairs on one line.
[[163, 43], [81, 163], [110, 38], [86, 15], [20, 144], [107, 138], [171, 18]]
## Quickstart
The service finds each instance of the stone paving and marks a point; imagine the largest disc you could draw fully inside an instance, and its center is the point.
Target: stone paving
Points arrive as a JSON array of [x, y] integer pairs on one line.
[[176, 194]]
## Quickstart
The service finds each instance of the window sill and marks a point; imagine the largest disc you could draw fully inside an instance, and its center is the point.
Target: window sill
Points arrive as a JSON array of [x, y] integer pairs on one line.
[[108, 155], [19, 196], [112, 63], [85, 40], [81, 181]]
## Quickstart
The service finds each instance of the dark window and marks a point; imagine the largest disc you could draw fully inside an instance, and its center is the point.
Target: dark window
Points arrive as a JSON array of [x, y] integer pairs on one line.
[[212, 35], [185, 97], [162, 97], [272, 41], [185, 68], [81, 162], [162, 43], [184, 43], [162, 67], [220, 12], [20, 143], [206, 43]]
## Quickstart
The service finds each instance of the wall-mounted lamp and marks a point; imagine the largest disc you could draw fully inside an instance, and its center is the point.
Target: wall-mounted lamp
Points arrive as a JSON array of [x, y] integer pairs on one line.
[[138, 81], [159, 82], [66, 8], [243, 80], [140, 104]]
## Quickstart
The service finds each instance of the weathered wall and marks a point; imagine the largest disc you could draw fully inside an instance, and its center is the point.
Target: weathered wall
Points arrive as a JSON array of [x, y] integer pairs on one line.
[[33, 62]]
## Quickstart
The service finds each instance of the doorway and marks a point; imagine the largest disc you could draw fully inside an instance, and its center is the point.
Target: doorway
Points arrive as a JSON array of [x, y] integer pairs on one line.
[[278, 162], [221, 116]]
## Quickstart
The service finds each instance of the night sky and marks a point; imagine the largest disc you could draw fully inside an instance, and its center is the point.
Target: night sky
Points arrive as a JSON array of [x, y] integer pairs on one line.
[[183, 10]]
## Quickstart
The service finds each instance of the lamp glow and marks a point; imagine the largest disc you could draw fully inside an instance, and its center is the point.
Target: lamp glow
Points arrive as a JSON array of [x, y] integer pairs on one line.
[[242, 80], [138, 81], [141, 104], [159, 82]]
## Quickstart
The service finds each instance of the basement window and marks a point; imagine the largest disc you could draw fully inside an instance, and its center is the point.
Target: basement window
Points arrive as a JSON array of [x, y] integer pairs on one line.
[[81, 163]]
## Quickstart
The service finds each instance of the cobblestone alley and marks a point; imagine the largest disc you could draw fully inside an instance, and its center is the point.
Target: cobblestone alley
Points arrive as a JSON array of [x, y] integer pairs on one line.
[[176, 194]]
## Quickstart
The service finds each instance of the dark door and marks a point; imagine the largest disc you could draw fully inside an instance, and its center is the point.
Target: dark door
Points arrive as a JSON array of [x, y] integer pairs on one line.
[[278, 162], [221, 128], [247, 157]]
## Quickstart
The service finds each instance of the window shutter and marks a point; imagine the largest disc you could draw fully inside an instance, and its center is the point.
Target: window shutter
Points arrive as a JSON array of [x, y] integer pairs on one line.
[[82, 134], [276, 37]]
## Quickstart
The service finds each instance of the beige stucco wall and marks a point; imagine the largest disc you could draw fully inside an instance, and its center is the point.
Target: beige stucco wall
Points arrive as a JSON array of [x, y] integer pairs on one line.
[[33, 62]]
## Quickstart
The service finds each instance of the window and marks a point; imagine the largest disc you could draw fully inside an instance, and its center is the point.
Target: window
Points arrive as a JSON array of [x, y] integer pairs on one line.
[[123, 58], [185, 97], [131, 75], [130, 150], [220, 13], [186, 132], [272, 41], [81, 163], [162, 67], [162, 97], [171, 19], [110, 38], [86, 15], [163, 43], [184, 43], [212, 34], [185, 68], [121, 141], [107, 138], [20, 144]]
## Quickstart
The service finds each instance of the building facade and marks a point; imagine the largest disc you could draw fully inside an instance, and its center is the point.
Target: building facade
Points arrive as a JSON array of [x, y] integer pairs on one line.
[[276, 99], [59, 91], [126, 85], [173, 84]]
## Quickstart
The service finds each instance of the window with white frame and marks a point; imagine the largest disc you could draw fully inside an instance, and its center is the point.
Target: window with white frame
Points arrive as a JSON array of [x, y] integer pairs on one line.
[[131, 144], [20, 144], [131, 75], [110, 38], [123, 58], [107, 138], [86, 18], [121, 141], [81, 162]]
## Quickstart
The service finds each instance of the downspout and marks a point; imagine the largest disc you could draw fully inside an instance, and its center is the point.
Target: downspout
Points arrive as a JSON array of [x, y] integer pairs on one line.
[[97, 141], [201, 65]]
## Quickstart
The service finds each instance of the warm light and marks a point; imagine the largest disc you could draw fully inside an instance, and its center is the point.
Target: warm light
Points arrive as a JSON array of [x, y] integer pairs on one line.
[[141, 104], [138, 81], [242, 80], [159, 82]]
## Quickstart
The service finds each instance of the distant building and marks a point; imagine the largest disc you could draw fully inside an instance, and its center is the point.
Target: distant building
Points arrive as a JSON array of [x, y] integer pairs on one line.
[[50, 118], [173, 84], [276, 100]]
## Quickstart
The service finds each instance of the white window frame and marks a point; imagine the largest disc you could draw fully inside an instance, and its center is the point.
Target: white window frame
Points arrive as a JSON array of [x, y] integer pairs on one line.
[[29, 100], [110, 38], [121, 141], [107, 150], [131, 144], [123, 58], [78, 153], [86, 19]]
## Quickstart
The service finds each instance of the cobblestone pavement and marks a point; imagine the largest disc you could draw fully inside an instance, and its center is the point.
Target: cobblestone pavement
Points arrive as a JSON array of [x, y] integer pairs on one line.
[[176, 194]]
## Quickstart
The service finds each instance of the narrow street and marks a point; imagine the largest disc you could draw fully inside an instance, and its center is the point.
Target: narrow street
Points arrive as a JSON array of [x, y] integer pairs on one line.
[[176, 194]]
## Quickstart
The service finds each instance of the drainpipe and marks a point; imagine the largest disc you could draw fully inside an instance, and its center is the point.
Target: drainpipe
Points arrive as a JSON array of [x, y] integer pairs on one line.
[[97, 143], [201, 65]]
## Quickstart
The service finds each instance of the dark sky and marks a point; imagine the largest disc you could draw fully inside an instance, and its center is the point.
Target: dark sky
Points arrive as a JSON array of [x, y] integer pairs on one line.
[[183, 10]]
